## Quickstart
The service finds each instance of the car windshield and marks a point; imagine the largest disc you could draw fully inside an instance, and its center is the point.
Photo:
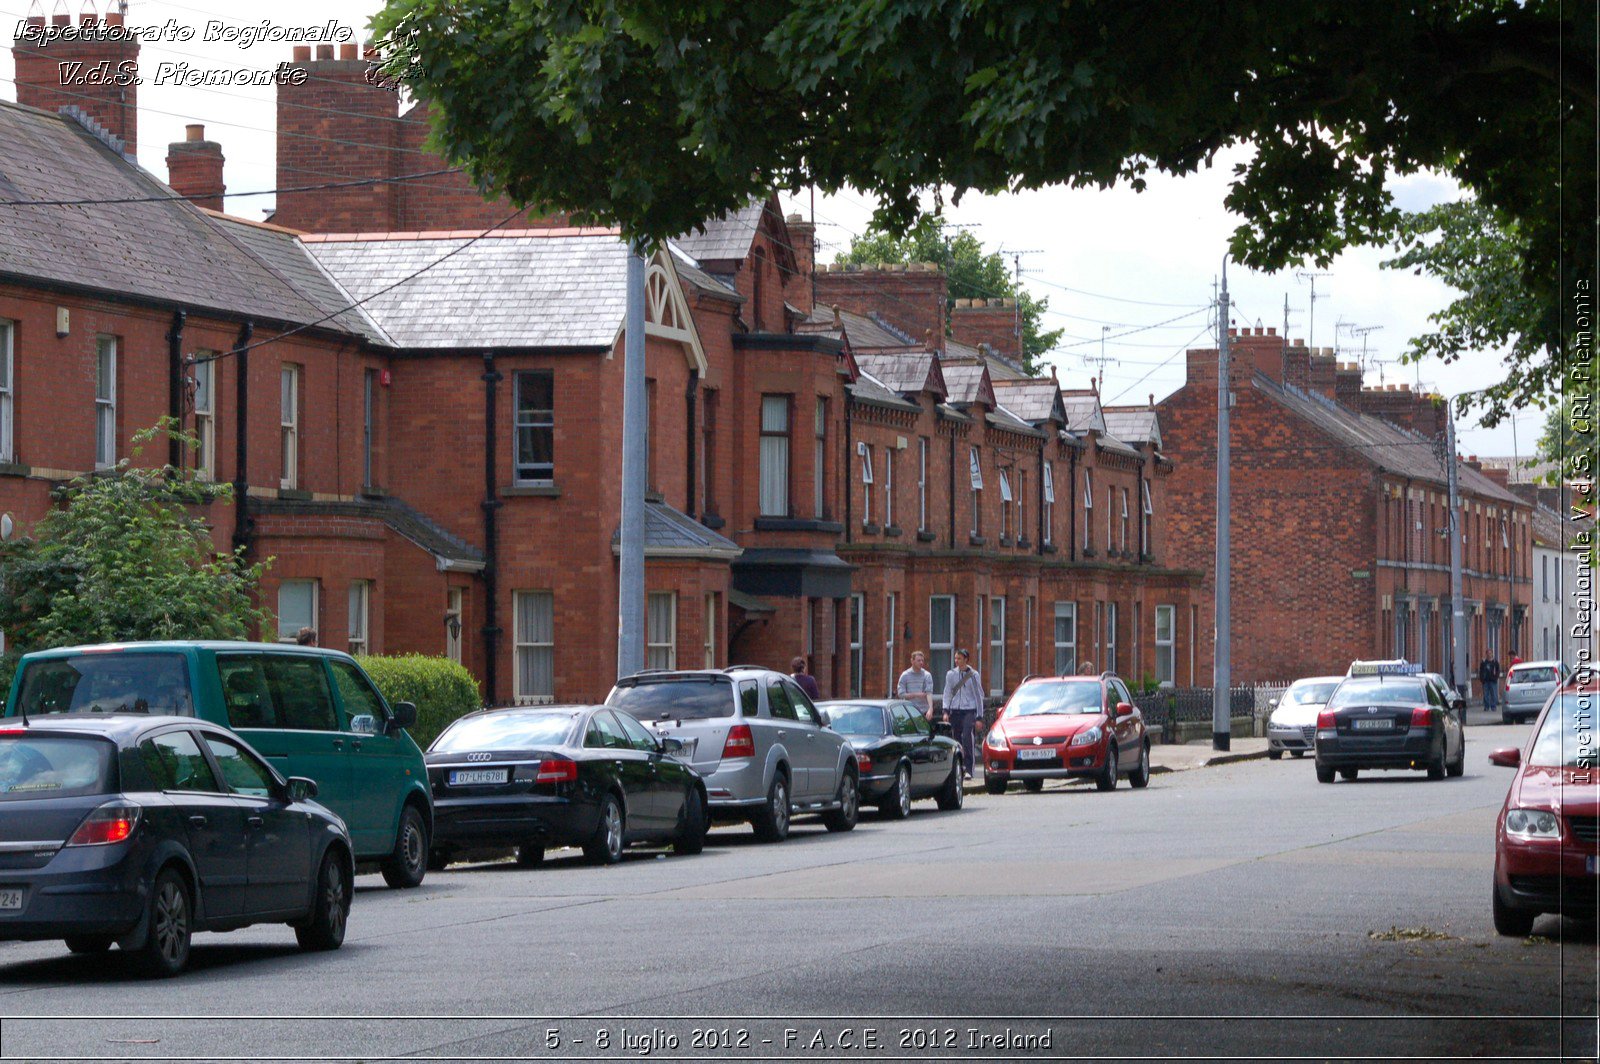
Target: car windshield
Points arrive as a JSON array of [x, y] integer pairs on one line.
[[106, 682], [39, 767], [1389, 689], [1064, 696], [1306, 694], [1533, 674], [1568, 736], [662, 699], [509, 730], [855, 719]]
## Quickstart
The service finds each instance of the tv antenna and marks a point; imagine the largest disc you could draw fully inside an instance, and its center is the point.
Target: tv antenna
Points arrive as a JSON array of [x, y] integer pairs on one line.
[[1311, 324], [1016, 273]]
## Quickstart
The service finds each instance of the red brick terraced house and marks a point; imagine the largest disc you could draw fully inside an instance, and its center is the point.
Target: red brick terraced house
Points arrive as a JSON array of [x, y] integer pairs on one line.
[[1340, 517]]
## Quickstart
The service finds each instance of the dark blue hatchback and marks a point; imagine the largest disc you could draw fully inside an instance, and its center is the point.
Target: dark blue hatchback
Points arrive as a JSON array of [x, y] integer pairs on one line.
[[139, 831]]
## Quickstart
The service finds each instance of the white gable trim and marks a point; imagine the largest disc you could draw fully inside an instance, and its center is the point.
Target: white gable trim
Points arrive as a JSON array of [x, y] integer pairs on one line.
[[666, 310]]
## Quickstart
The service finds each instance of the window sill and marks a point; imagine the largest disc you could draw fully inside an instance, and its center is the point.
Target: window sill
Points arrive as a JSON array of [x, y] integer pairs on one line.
[[797, 524], [894, 531], [1047, 548], [294, 494], [1088, 552], [1005, 541], [543, 491], [977, 541], [870, 529], [1147, 559], [654, 496], [372, 491], [924, 536], [14, 469], [1023, 543], [712, 521]]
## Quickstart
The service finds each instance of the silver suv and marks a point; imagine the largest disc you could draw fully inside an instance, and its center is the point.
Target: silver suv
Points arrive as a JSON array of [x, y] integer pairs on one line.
[[1528, 687], [765, 750]]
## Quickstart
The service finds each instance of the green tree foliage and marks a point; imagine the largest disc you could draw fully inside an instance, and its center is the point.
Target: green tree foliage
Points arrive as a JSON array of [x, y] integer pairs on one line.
[[972, 272], [657, 116], [441, 689], [1569, 438], [122, 558]]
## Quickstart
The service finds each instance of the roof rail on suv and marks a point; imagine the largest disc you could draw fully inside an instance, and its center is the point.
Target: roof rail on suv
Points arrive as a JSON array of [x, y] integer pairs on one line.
[[738, 668]]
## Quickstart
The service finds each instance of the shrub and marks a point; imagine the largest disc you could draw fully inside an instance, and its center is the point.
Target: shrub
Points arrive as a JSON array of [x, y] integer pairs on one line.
[[442, 689]]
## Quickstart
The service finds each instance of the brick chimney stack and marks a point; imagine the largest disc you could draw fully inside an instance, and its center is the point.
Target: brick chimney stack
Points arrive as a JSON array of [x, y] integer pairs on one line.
[[988, 321], [803, 241], [910, 298], [194, 168], [55, 72]]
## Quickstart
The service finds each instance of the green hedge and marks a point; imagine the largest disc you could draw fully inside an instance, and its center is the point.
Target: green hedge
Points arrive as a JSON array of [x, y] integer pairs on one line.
[[441, 689]]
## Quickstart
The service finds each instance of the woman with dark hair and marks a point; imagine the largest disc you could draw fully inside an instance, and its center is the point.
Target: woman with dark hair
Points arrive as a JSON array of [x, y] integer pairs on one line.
[[801, 675]]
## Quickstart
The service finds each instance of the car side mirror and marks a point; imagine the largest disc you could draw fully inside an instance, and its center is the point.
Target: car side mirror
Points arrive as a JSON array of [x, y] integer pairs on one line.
[[1510, 757], [405, 716], [1124, 709], [825, 717], [300, 789], [1458, 703]]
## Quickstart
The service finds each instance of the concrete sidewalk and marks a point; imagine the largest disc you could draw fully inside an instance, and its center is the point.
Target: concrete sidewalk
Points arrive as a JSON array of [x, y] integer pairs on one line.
[[1173, 757]]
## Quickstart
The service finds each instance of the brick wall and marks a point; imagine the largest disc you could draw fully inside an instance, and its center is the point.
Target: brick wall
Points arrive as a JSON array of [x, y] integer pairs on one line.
[[992, 322], [108, 94], [194, 168], [913, 297]]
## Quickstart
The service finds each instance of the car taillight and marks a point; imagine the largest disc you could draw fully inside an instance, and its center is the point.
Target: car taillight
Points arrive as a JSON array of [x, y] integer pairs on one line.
[[112, 822], [1325, 719], [740, 743], [557, 770], [864, 761], [1422, 717]]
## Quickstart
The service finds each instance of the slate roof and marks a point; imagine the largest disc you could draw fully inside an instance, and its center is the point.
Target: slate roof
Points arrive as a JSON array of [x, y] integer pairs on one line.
[[1134, 424], [1083, 411], [901, 371], [966, 382], [1549, 530], [1383, 443], [999, 368], [539, 288], [868, 389], [723, 239], [169, 252], [715, 284], [450, 551], [1001, 418], [670, 533], [867, 333], [1032, 399]]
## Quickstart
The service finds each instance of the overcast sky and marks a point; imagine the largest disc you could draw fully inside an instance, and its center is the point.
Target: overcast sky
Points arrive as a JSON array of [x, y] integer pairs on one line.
[[1120, 259]]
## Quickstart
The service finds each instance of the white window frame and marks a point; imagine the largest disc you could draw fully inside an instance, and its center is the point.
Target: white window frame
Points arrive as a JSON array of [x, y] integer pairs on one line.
[[891, 614], [888, 486], [1123, 540], [1111, 529], [1069, 611], [661, 653], [454, 609], [1088, 511], [1006, 499], [1027, 634], [997, 644], [858, 625], [947, 649], [358, 616], [1147, 518], [533, 420], [8, 389], [975, 477], [866, 484], [1167, 648], [1021, 505], [1049, 502], [1110, 645], [289, 384], [205, 414], [522, 642], [316, 609], [711, 623], [922, 483], [820, 460], [105, 401], [773, 494]]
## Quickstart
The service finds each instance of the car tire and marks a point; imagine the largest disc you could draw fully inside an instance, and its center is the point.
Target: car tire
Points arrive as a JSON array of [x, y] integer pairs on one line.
[[896, 805], [771, 824], [1033, 786], [165, 952], [1274, 755], [1506, 718], [89, 943], [1140, 776], [1436, 766], [995, 784], [604, 847], [1511, 921], [438, 860], [1458, 767], [530, 855], [1350, 774], [330, 907], [1298, 754], [692, 825], [848, 814], [406, 867], [952, 795], [1107, 780], [1324, 774]]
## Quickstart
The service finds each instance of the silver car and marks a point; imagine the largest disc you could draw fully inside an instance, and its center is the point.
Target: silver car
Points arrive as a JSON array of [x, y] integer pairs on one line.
[[1528, 686], [765, 751], [1293, 724]]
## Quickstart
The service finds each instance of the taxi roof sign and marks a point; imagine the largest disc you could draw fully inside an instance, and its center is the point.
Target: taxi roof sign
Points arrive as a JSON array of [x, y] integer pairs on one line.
[[1387, 667]]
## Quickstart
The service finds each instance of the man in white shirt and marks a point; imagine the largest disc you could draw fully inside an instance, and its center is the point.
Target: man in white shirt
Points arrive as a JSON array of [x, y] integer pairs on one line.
[[916, 685]]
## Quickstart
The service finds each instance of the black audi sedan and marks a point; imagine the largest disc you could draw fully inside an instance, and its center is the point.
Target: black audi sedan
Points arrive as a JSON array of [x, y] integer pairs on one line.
[[899, 757], [540, 777], [139, 831], [1390, 721]]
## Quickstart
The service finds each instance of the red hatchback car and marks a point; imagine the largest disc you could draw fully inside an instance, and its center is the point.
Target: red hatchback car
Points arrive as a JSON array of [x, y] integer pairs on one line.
[[1058, 727], [1547, 841]]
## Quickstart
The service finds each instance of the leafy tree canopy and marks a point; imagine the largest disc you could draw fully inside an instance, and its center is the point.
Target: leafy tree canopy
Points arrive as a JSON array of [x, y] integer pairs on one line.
[[1569, 438], [658, 116], [972, 273], [122, 558]]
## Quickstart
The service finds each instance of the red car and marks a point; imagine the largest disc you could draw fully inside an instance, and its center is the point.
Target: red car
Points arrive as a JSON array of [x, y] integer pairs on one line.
[[1547, 840], [1059, 727]]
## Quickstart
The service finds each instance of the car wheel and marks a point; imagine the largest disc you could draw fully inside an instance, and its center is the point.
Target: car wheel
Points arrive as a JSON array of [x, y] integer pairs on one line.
[[1274, 755], [994, 784], [1458, 767], [844, 818], [1349, 773], [1324, 774], [1107, 780], [691, 825], [1506, 718], [171, 925], [1140, 777], [405, 868], [1516, 923], [1299, 754], [605, 845], [1033, 786], [952, 794], [1436, 766], [330, 908], [530, 855], [896, 805], [438, 860], [89, 943], [772, 823]]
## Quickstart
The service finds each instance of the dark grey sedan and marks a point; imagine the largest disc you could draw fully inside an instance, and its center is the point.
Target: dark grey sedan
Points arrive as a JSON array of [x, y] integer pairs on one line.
[[1390, 722]]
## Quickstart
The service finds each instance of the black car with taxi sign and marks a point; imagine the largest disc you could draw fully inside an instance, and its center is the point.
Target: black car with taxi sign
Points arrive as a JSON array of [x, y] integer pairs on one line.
[[1388, 715]]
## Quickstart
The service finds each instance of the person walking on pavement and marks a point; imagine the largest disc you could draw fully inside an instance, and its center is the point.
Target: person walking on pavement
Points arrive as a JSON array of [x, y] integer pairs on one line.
[[916, 685], [1489, 678], [802, 676], [963, 701]]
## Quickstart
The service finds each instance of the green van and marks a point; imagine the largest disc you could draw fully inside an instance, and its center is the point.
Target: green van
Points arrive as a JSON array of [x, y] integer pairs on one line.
[[312, 712]]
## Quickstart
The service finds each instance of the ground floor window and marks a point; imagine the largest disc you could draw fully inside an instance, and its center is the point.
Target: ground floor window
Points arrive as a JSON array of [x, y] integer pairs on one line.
[[1166, 658], [712, 625], [359, 609], [661, 630], [997, 645], [941, 636], [858, 608], [1066, 638], [1111, 638], [891, 614], [453, 614], [534, 638], [297, 608]]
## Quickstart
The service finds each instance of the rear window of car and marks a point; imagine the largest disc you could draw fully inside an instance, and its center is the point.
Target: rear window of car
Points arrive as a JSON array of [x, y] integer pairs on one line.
[[692, 698], [1065, 696], [1363, 691], [106, 682], [1308, 694], [38, 767], [1533, 674], [511, 730], [1568, 736], [856, 719]]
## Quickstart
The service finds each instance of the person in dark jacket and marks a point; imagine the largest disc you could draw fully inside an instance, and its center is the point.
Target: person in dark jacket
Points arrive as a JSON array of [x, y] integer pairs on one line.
[[1489, 677], [802, 676]]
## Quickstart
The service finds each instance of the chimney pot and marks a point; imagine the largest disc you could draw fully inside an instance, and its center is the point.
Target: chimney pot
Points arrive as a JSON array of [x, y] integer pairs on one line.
[[1272, 330], [35, 14], [1152, 400], [324, 51], [88, 16], [302, 53], [61, 16], [115, 12], [194, 131], [347, 51], [1298, 342]]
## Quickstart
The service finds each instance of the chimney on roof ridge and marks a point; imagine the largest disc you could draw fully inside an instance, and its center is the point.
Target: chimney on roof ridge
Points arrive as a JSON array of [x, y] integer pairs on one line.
[[803, 242], [39, 65], [194, 168]]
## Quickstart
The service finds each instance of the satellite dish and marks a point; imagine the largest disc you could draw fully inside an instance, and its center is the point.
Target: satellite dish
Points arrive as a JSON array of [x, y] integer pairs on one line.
[[7, 526]]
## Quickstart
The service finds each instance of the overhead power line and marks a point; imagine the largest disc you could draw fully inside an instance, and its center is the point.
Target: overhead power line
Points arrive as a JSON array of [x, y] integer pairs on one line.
[[207, 195]]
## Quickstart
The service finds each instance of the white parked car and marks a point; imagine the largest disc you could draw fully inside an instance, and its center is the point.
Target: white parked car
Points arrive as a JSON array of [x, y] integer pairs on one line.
[[1293, 724]]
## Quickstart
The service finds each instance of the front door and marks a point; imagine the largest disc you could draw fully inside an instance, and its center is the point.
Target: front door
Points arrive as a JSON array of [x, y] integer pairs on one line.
[[214, 824], [380, 759], [279, 856]]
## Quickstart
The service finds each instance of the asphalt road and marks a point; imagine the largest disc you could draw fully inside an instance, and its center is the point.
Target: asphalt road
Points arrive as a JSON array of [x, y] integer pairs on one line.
[[1241, 910]]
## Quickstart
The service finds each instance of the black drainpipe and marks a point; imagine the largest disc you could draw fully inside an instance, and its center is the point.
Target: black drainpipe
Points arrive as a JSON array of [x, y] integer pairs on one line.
[[491, 505], [849, 464], [1072, 504], [241, 439], [175, 386], [952, 491], [689, 398]]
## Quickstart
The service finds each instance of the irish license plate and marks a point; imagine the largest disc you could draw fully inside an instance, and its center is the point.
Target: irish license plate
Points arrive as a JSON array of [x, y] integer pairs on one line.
[[12, 899], [469, 777], [1037, 753], [1373, 724]]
